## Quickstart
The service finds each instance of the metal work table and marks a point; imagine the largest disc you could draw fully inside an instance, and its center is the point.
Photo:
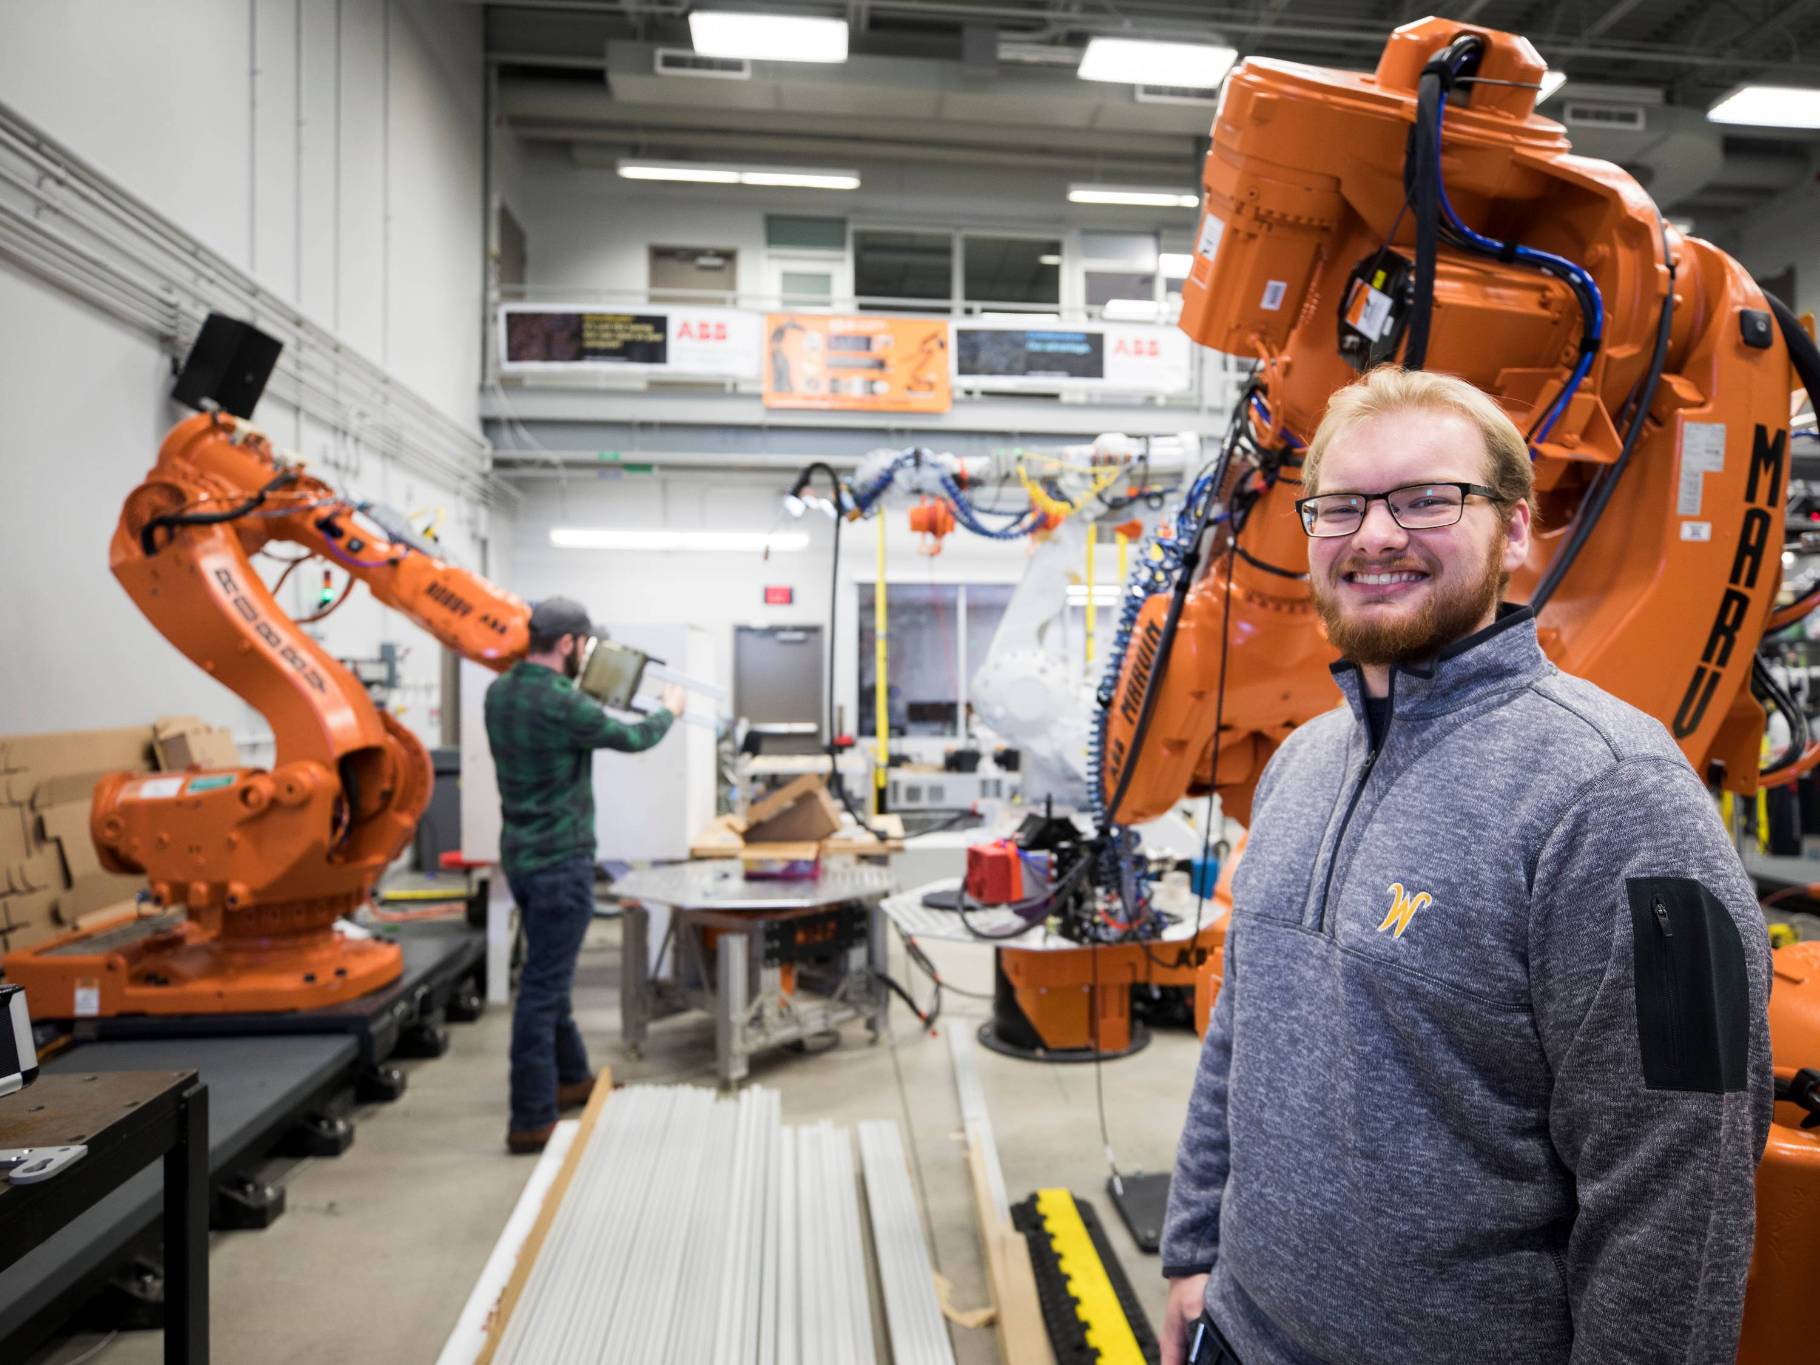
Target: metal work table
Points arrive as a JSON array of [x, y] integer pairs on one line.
[[127, 1120], [257, 1089], [774, 962]]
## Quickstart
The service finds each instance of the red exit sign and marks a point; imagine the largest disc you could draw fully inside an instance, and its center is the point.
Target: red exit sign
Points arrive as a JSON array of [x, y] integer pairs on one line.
[[779, 597]]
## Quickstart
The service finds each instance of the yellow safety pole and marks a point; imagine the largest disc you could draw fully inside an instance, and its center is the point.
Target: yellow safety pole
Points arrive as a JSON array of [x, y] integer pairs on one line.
[[1124, 549], [1093, 540], [881, 711]]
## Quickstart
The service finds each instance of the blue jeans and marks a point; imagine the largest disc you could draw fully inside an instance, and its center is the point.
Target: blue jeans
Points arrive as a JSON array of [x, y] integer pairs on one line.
[[556, 904]]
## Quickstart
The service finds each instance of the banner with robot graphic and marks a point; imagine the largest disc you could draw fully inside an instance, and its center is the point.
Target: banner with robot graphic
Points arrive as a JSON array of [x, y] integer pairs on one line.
[[857, 364]]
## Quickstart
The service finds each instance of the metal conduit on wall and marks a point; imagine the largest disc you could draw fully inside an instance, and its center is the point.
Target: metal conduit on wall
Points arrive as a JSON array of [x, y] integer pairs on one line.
[[69, 225]]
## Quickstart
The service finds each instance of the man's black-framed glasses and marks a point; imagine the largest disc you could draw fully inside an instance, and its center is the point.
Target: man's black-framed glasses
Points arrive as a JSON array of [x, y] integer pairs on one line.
[[1414, 507]]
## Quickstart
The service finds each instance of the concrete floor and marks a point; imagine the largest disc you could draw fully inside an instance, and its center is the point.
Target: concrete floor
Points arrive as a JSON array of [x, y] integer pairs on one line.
[[379, 1248]]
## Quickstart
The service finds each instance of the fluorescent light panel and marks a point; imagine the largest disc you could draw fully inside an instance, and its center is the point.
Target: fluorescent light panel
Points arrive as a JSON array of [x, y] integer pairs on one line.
[[725, 542], [1769, 106], [1551, 82], [1139, 61], [1104, 595], [1140, 195], [1174, 265], [701, 173], [704, 175], [1130, 310], [806, 180], [768, 37]]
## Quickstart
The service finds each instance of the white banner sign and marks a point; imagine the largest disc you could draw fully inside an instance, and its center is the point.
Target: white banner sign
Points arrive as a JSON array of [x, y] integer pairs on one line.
[[1098, 357]]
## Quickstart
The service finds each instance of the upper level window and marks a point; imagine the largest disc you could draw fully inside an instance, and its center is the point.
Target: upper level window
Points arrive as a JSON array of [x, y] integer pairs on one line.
[[895, 268]]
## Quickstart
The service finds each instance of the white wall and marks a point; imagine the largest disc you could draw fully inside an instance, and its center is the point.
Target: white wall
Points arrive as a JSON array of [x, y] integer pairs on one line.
[[333, 149]]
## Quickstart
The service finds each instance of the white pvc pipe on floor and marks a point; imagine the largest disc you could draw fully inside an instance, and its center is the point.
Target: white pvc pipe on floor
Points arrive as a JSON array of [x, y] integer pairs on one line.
[[697, 1229]]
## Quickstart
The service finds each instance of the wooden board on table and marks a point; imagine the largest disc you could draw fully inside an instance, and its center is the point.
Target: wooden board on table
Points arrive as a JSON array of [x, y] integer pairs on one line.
[[533, 1246], [721, 839]]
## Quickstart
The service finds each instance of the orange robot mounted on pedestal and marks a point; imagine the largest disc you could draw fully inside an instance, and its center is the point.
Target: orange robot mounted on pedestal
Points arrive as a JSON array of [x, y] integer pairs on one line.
[[264, 861], [1425, 213]]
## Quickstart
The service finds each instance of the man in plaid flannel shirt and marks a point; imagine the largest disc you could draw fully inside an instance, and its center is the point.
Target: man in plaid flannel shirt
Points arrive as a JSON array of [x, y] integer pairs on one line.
[[543, 733]]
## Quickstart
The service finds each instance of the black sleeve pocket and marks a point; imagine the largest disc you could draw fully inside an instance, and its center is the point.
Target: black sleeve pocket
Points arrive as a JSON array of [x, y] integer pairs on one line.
[[1693, 995]]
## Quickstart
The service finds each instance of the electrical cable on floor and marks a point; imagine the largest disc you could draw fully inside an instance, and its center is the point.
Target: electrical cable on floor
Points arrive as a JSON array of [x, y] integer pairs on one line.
[[935, 1007], [1099, 1085], [923, 963]]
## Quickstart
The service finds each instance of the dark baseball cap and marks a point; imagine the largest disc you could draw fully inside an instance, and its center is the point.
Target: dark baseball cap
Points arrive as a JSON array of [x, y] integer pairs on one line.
[[556, 616]]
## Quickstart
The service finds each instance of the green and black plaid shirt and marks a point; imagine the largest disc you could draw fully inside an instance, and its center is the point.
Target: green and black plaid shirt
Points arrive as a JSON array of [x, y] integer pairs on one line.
[[543, 734]]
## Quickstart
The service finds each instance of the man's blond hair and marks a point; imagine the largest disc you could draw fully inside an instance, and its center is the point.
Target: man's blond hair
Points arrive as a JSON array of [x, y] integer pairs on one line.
[[1391, 388]]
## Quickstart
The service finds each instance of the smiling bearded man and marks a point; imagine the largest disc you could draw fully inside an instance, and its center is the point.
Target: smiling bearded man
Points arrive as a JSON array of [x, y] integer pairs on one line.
[[1454, 611], [1489, 1073]]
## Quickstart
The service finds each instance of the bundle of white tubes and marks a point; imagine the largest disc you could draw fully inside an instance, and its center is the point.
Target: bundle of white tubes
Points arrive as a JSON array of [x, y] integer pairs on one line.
[[698, 1229]]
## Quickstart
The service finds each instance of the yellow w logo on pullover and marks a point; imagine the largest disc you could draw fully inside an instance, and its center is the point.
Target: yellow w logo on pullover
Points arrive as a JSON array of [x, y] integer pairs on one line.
[[1403, 908]]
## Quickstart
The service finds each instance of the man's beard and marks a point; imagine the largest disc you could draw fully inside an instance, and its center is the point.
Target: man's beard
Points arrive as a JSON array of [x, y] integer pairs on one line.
[[571, 663], [1442, 619]]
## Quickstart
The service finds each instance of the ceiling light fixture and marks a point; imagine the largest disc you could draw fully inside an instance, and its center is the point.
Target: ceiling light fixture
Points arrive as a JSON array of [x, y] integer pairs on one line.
[[705, 175], [1769, 106], [804, 180], [1103, 595], [722, 542], [1138, 195], [1174, 265], [702, 173], [1049, 258], [768, 37], [1551, 82], [1130, 310], [1139, 61]]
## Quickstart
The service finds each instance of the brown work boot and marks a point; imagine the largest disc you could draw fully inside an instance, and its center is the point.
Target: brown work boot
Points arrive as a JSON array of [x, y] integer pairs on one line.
[[575, 1094], [529, 1141]]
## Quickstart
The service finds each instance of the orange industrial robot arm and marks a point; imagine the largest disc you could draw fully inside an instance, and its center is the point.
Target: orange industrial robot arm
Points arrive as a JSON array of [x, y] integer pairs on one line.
[[270, 858], [1660, 428]]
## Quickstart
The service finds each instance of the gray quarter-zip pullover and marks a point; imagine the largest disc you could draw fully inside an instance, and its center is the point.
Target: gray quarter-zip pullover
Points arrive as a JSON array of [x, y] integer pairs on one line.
[[1489, 1077]]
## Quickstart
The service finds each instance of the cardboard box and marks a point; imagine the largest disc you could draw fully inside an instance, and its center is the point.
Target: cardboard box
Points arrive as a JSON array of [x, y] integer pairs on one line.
[[37, 907], [16, 835], [62, 791], [67, 826], [50, 874], [797, 812], [37, 871], [23, 936], [103, 891], [76, 751], [185, 742]]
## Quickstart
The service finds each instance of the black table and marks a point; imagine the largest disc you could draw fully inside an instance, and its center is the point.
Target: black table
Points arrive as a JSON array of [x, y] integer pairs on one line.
[[126, 1119]]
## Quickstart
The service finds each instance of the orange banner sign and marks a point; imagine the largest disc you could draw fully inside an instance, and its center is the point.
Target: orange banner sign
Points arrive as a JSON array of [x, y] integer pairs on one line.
[[857, 364]]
